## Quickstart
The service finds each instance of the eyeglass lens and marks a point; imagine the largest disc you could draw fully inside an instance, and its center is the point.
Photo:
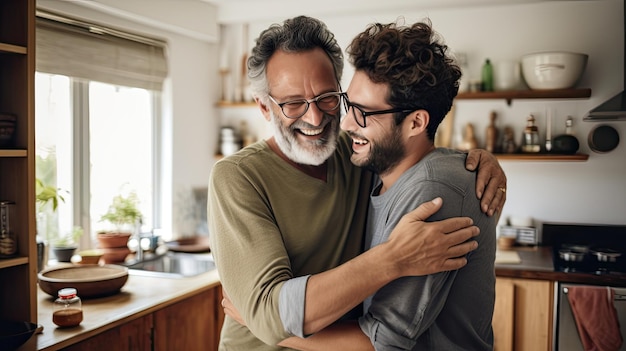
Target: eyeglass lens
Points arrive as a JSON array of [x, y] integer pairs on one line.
[[297, 108]]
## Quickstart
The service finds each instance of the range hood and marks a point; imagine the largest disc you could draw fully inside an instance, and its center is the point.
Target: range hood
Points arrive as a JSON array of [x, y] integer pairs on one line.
[[613, 109]]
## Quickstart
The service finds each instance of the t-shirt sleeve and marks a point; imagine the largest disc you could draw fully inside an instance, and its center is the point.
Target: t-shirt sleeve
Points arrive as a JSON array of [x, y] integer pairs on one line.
[[402, 310]]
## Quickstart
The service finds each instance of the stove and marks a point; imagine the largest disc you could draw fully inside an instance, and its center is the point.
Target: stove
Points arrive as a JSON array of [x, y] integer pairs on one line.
[[583, 248]]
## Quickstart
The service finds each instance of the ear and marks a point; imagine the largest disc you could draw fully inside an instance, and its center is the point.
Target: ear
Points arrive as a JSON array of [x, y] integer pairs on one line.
[[265, 110], [418, 121]]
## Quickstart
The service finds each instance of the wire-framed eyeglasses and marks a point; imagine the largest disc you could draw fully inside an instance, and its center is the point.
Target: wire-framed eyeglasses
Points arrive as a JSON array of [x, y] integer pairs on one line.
[[360, 115], [327, 102]]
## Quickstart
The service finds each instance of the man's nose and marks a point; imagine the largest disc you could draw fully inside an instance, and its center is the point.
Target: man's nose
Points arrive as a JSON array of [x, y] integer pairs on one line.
[[313, 116]]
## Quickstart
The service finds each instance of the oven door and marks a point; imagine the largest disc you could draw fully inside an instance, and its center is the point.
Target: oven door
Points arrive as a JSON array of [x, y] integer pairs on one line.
[[567, 337]]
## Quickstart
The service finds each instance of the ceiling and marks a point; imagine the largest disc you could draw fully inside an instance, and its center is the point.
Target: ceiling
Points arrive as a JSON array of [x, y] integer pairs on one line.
[[254, 10]]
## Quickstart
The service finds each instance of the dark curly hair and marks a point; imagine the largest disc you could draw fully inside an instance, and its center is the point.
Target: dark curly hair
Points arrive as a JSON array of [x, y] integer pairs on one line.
[[412, 61]]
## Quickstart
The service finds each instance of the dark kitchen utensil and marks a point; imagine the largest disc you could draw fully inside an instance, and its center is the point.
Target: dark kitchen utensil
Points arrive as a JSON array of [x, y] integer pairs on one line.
[[565, 144], [603, 139], [572, 255], [14, 334], [606, 255]]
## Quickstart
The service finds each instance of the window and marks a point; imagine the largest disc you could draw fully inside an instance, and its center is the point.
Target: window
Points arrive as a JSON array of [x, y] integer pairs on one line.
[[96, 124]]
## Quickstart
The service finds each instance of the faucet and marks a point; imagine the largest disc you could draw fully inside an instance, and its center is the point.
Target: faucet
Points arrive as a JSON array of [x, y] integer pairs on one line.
[[139, 250]]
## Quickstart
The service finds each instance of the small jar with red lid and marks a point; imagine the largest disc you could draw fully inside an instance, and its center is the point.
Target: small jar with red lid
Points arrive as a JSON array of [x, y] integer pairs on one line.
[[68, 309]]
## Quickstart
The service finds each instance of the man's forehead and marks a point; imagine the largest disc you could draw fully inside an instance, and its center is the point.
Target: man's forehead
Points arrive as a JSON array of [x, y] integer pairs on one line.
[[311, 68]]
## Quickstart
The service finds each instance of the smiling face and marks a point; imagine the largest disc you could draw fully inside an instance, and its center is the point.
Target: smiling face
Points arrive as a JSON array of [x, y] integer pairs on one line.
[[379, 146], [310, 139]]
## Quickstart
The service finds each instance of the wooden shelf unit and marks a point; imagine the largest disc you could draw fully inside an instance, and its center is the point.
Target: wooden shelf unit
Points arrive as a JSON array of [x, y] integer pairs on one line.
[[543, 157], [526, 94], [18, 274]]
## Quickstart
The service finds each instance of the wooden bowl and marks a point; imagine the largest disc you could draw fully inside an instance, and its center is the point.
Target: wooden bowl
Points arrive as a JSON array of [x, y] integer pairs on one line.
[[193, 244], [14, 334], [89, 280]]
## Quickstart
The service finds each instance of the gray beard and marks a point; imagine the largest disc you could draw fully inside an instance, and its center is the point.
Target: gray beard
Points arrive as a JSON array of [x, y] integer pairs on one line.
[[309, 153]]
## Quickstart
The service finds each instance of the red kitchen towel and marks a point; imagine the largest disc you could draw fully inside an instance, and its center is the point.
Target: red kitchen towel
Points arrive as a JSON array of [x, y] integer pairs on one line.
[[596, 318]]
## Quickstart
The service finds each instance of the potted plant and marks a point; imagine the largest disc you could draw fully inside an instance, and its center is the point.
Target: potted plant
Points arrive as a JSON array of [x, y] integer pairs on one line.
[[124, 215], [48, 199], [65, 245]]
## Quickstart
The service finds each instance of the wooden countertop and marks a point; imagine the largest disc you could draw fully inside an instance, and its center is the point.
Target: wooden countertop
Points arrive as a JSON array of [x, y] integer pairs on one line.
[[143, 295], [537, 263], [140, 296]]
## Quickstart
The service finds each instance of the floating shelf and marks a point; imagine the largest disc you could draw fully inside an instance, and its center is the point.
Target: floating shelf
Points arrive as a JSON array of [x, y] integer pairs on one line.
[[235, 104], [527, 94], [543, 157]]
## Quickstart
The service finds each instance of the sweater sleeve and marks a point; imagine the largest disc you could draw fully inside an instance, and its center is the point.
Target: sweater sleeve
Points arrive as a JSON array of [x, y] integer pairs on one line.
[[248, 249]]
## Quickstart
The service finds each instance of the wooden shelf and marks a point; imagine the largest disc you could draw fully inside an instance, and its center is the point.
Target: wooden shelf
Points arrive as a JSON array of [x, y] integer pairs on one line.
[[10, 48], [543, 157], [12, 262], [527, 94], [13, 153], [235, 104]]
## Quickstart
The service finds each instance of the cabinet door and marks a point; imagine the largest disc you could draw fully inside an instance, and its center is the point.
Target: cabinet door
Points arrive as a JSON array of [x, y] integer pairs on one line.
[[134, 335], [504, 315], [191, 324], [532, 310]]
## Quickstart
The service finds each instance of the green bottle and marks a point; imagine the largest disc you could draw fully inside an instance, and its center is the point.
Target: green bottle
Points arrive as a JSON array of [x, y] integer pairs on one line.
[[487, 76]]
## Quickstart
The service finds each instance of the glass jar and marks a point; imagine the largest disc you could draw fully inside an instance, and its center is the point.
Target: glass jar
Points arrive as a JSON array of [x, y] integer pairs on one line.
[[68, 309], [8, 240], [530, 139]]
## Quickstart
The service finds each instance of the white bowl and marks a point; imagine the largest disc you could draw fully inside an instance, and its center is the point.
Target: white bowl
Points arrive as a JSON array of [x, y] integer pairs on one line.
[[553, 70]]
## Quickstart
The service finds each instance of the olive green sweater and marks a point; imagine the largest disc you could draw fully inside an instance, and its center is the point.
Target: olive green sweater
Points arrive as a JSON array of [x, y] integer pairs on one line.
[[269, 222]]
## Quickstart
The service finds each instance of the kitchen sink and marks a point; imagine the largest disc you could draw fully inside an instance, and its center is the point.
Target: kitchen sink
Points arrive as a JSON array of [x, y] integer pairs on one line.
[[172, 265]]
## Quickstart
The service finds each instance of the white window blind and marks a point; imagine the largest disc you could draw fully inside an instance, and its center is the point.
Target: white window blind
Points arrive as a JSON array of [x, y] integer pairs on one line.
[[101, 54]]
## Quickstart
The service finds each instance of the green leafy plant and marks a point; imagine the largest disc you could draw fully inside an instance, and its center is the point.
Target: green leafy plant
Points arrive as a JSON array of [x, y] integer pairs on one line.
[[123, 211], [47, 194], [70, 238]]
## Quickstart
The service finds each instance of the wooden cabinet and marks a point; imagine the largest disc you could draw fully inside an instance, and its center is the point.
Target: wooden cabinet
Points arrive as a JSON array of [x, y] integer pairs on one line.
[[522, 318], [194, 323], [191, 324], [18, 274], [134, 335]]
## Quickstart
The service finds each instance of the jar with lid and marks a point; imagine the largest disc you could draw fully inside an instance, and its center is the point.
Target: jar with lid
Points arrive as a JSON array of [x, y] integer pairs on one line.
[[530, 139], [68, 309], [8, 240]]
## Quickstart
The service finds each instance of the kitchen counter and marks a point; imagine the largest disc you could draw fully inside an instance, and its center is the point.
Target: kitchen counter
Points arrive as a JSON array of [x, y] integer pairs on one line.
[[537, 263], [143, 295], [139, 297]]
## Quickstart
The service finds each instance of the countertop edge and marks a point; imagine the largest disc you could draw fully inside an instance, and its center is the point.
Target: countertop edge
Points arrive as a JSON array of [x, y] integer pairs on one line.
[[132, 302]]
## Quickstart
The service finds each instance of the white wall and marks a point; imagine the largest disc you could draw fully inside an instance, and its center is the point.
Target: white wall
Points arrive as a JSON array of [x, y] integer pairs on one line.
[[585, 192], [190, 126]]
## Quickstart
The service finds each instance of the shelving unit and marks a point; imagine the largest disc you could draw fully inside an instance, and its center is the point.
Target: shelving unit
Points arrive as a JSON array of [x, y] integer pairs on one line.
[[18, 274], [511, 95], [236, 104], [542, 157]]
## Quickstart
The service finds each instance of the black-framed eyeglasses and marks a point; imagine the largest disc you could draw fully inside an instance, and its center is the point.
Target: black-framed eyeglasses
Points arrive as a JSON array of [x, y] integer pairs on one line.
[[360, 115], [327, 102]]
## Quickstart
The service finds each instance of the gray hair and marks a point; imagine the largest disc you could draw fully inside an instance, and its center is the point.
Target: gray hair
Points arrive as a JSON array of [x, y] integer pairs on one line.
[[297, 34]]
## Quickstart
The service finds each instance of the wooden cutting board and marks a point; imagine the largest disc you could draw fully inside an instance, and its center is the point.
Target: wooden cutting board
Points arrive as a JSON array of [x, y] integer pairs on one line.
[[507, 257]]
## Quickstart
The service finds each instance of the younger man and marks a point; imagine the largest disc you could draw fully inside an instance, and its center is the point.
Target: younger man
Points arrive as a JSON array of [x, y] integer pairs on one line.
[[403, 87]]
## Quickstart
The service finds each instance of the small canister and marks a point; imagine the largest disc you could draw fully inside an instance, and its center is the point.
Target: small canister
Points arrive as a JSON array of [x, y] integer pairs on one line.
[[68, 309], [8, 241]]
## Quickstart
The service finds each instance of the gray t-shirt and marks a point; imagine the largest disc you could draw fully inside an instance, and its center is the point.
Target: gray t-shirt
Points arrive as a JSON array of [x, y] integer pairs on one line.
[[445, 311]]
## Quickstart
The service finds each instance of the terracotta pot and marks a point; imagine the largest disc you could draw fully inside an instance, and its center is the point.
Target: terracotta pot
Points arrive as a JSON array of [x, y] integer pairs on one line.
[[115, 254], [110, 240]]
